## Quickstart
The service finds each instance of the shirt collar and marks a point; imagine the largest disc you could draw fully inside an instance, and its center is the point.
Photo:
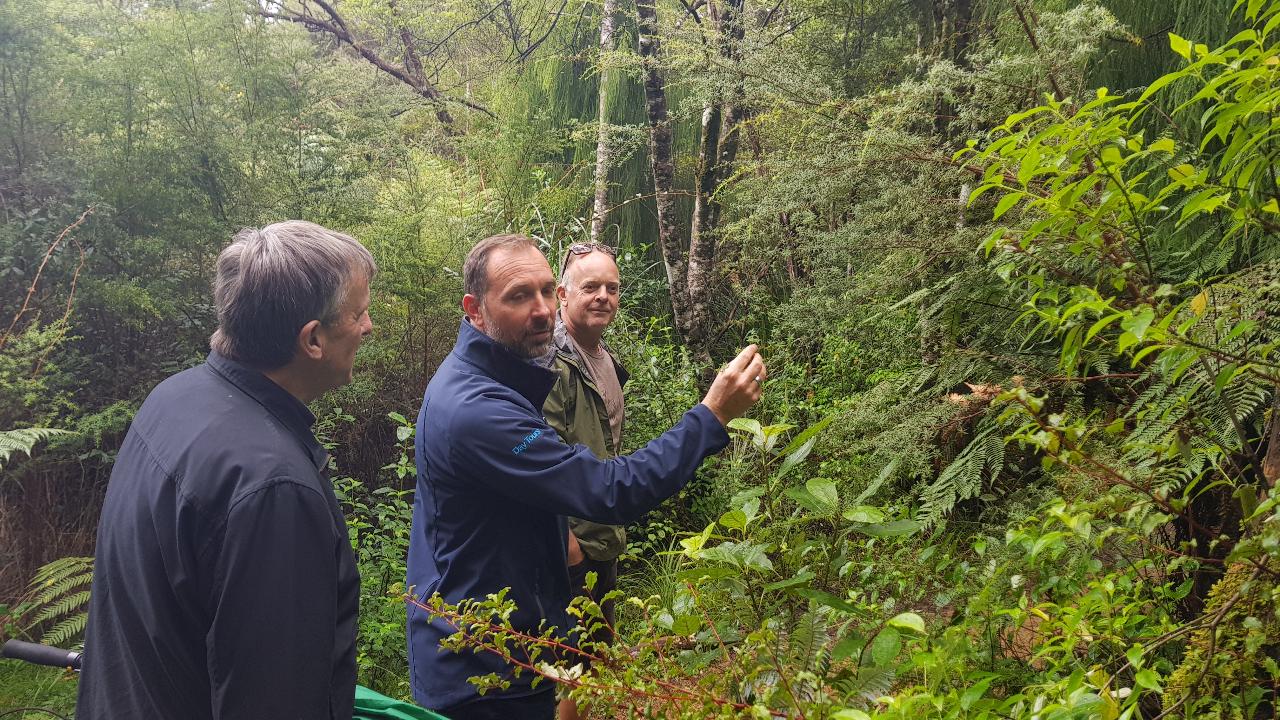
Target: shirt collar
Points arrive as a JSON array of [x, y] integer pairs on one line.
[[286, 408], [526, 377]]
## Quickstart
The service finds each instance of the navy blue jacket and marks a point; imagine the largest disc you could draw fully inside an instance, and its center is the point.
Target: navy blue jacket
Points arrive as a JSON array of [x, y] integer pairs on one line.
[[224, 585], [494, 485]]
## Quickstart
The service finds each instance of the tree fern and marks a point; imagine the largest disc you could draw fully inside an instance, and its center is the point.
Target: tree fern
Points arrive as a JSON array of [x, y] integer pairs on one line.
[[59, 594], [980, 462], [63, 633], [23, 440]]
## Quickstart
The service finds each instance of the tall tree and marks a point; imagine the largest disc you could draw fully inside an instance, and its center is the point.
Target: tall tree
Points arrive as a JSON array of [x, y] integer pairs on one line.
[[691, 274], [661, 159], [604, 153]]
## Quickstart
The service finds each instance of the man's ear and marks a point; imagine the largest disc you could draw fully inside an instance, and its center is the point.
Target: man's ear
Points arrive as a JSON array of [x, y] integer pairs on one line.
[[471, 306], [561, 293], [310, 343]]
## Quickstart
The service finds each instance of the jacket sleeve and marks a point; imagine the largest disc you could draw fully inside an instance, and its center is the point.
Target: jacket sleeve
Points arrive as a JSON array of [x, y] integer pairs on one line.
[[518, 455], [271, 643]]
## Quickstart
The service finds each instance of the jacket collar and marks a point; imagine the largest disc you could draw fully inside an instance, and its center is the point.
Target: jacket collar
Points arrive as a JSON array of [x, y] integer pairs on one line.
[[286, 408], [527, 377], [564, 346]]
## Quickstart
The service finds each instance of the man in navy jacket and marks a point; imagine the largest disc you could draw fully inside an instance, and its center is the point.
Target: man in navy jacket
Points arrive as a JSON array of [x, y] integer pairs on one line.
[[224, 585], [495, 482]]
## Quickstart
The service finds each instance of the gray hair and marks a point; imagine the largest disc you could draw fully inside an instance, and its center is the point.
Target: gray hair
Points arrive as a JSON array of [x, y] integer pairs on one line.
[[271, 282], [475, 271]]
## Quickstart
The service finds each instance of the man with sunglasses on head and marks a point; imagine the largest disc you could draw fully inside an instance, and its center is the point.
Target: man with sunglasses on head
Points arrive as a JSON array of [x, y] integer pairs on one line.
[[495, 481], [585, 407]]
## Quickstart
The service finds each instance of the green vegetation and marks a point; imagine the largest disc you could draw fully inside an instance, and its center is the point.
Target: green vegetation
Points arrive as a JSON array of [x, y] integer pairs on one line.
[[1014, 267]]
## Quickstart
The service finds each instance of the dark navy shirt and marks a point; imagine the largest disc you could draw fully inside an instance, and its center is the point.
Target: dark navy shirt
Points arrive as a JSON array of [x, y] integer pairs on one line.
[[494, 485], [224, 584]]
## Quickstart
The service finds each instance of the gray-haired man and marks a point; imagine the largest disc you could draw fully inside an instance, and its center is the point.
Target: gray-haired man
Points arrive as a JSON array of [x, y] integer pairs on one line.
[[585, 407], [224, 584]]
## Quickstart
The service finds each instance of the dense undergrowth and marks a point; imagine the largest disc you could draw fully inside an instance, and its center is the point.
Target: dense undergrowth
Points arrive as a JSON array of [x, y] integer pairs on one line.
[[1018, 448]]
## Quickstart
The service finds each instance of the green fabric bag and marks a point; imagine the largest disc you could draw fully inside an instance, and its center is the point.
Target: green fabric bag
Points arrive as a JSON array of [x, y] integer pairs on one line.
[[372, 705]]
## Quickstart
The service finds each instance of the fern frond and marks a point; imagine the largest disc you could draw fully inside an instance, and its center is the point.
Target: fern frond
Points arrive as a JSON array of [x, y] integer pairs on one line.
[[59, 592], [980, 462], [23, 440], [60, 634], [869, 683], [63, 607], [807, 640]]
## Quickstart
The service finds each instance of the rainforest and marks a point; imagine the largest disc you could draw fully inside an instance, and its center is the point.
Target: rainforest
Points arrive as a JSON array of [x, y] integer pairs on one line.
[[1014, 266]]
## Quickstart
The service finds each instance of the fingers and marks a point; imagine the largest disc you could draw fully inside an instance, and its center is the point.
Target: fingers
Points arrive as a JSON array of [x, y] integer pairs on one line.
[[754, 373], [744, 358], [738, 386]]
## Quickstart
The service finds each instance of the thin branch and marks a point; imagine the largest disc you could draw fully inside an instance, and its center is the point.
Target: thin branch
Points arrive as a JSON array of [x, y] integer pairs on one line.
[[1035, 45], [35, 281]]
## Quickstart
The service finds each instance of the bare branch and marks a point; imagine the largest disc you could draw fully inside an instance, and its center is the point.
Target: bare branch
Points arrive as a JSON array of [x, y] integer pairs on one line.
[[412, 76]]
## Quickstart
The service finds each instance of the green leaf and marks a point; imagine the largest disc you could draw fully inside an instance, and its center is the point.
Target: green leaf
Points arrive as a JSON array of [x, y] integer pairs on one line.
[[1006, 202], [1045, 541], [826, 599], [1148, 678], [864, 514], [1098, 326], [886, 646], [885, 473], [734, 520], [693, 545], [1225, 376], [803, 437], [1183, 174], [1180, 45], [1134, 655], [686, 625], [802, 578], [849, 714], [806, 500], [849, 646], [824, 491], [908, 621], [749, 427], [1164, 144], [1138, 322], [796, 457], [975, 693], [897, 528]]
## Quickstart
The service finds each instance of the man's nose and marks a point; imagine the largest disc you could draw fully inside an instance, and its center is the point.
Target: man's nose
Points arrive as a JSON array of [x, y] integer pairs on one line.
[[541, 307]]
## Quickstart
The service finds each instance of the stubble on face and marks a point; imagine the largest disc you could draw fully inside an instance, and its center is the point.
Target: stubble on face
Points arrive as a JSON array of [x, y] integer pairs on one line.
[[519, 310], [521, 341]]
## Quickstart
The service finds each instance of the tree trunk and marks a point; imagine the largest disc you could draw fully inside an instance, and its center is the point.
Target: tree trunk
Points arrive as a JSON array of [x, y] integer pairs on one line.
[[717, 151], [604, 152], [661, 162], [702, 247], [691, 279]]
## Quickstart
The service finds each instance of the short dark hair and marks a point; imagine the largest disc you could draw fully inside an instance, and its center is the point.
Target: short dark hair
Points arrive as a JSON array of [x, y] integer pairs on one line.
[[475, 271], [271, 282]]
